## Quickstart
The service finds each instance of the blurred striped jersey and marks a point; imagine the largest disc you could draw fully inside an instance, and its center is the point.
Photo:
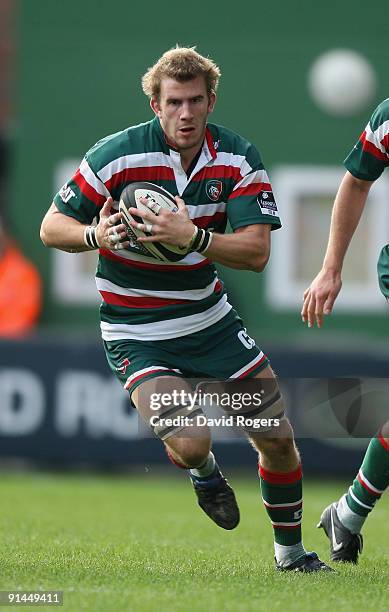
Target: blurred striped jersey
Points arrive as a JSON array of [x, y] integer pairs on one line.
[[370, 156]]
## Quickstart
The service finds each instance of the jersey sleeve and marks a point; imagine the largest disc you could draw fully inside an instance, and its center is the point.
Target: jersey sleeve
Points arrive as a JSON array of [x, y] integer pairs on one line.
[[83, 195], [251, 200], [369, 157]]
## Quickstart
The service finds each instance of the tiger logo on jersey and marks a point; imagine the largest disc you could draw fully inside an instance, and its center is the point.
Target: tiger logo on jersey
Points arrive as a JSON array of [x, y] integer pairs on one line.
[[214, 190]]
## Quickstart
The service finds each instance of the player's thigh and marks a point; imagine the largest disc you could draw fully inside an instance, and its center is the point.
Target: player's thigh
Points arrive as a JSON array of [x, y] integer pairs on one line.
[[168, 405], [156, 385], [263, 410]]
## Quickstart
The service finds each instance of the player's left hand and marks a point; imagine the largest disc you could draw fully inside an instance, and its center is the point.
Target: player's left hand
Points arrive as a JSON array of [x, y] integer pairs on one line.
[[319, 298], [173, 228]]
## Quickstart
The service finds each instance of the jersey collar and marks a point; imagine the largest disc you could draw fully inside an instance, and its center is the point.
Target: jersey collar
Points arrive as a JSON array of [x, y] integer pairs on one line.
[[206, 156]]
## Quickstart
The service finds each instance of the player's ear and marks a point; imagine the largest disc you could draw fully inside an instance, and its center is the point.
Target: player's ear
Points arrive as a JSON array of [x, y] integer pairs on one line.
[[211, 102], [154, 103]]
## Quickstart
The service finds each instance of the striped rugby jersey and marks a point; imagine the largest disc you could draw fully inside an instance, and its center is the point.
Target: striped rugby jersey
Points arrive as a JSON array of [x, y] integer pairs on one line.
[[143, 298], [370, 156]]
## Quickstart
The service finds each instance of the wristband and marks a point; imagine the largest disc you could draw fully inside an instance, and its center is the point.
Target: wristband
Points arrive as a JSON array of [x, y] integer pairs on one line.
[[201, 240], [192, 240], [206, 242], [90, 238], [195, 240]]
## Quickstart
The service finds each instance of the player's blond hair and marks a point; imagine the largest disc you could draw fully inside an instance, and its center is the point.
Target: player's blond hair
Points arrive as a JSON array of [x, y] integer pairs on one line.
[[182, 64]]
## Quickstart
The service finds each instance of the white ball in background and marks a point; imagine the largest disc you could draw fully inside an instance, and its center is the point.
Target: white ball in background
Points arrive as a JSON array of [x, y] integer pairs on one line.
[[342, 82]]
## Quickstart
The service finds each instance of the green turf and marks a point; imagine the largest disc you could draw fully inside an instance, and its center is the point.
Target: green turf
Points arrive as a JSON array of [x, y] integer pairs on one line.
[[142, 544]]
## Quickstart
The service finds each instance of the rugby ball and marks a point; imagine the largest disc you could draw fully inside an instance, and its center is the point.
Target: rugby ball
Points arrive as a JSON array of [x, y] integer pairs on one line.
[[130, 197]]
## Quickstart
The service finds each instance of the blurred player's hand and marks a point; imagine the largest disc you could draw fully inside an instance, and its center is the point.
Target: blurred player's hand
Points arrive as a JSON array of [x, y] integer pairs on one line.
[[319, 298]]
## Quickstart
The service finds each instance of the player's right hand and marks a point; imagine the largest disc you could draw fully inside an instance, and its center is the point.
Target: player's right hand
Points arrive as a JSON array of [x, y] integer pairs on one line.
[[111, 232], [319, 298]]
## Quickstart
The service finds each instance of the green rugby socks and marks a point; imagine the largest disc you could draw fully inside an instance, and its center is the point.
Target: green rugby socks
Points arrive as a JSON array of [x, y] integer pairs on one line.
[[282, 497], [368, 486]]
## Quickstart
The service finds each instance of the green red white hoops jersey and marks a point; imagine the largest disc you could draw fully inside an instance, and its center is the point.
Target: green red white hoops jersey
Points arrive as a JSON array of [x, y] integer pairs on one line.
[[143, 298], [370, 156]]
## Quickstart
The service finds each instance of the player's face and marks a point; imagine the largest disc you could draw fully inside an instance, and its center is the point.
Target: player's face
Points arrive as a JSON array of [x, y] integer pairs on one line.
[[183, 109]]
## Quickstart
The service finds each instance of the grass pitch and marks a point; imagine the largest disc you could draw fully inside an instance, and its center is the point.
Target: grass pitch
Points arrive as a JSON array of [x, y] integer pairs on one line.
[[141, 544]]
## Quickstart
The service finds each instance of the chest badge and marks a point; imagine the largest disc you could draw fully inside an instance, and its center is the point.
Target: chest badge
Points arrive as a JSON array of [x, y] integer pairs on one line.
[[214, 190]]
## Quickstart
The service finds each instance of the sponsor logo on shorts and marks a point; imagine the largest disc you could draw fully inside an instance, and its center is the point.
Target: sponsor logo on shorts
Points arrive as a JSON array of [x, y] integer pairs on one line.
[[214, 190], [65, 193], [123, 366], [245, 339]]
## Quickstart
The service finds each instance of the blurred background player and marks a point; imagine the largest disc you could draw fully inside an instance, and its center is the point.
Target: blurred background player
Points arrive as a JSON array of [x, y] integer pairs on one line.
[[342, 521], [20, 289], [161, 323], [20, 282]]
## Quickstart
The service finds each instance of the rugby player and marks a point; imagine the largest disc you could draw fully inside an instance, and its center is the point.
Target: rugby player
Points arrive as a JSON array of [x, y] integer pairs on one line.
[[164, 322], [342, 521]]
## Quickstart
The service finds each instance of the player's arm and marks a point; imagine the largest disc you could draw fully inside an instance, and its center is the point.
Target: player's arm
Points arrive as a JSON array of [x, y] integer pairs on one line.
[[349, 203], [247, 249], [67, 234]]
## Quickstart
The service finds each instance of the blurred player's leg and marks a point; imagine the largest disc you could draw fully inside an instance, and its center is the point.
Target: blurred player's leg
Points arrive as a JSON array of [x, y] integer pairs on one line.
[[342, 521], [281, 486], [189, 447]]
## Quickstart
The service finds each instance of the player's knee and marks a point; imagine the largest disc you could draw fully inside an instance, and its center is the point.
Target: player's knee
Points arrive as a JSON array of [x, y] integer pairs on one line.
[[192, 452], [180, 420], [280, 448]]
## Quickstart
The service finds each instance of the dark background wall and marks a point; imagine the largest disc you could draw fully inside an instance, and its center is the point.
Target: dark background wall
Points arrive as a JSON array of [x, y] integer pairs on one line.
[[60, 405]]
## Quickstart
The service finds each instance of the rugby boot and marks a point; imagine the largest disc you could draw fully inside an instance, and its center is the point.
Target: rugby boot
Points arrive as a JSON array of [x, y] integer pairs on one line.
[[344, 545], [217, 499], [309, 562]]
